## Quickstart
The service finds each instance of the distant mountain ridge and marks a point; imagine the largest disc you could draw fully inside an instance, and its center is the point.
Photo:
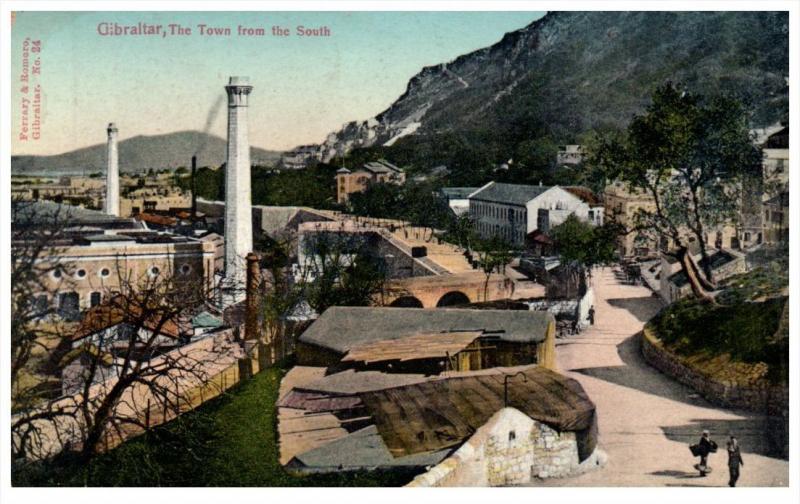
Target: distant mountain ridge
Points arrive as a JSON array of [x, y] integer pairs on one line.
[[577, 71], [138, 154]]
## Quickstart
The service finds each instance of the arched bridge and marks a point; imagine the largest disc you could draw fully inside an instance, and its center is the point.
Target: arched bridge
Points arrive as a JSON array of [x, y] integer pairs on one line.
[[439, 291]]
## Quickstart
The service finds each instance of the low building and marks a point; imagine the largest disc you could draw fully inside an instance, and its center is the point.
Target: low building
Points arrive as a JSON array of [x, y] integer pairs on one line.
[[357, 180], [674, 284], [457, 198], [776, 219], [570, 155], [427, 341], [493, 427], [512, 211]]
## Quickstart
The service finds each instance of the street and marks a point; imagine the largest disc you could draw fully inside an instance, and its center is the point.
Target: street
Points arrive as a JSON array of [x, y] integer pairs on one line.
[[646, 419]]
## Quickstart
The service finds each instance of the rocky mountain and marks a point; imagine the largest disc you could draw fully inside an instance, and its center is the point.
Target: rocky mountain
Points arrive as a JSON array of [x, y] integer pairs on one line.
[[571, 72], [138, 154]]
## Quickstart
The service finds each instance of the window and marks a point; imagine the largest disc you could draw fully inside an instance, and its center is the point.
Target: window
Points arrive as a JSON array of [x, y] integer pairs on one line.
[[186, 269], [94, 298], [512, 435], [81, 273], [105, 272], [154, 271], [57, 273]]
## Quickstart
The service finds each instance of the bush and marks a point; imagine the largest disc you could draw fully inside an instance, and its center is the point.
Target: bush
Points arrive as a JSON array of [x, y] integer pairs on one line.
[[744, 329]]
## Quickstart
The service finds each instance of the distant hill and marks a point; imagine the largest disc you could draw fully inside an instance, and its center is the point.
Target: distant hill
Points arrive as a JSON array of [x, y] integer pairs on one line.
[[138, 154]]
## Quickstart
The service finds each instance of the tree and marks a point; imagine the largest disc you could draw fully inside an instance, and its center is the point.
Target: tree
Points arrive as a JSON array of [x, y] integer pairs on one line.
[[341, 269], [690, 155], [581, 242], [119, 370], [494, 254]]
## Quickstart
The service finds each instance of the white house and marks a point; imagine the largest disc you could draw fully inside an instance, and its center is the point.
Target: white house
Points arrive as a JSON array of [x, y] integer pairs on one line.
[[512, 211]]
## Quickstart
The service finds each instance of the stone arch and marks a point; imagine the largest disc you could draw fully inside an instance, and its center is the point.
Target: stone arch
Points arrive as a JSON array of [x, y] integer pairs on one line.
[[453, 298], [406, 302]]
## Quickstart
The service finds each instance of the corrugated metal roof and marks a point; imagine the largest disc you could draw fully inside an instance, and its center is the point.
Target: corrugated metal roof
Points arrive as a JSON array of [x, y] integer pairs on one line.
[[363, 449], [441, 414], [419, 346], [341, 328], [512, 194]]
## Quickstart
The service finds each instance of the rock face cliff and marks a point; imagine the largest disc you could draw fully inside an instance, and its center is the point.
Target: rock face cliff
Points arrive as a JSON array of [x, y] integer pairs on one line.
[[577, 71]]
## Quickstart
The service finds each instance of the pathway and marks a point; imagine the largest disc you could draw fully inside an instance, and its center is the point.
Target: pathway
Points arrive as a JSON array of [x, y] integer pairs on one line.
[[647, 420]]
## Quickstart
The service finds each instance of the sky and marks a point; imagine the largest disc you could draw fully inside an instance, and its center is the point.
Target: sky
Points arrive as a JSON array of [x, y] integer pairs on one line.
[[304, 87]]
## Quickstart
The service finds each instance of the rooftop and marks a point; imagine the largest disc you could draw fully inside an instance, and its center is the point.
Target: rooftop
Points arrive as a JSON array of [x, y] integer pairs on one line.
[[440, 414], [342, 328], [514, 194]]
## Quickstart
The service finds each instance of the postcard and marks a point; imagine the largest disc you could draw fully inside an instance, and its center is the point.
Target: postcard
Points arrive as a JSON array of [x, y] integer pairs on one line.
[[399, 248]]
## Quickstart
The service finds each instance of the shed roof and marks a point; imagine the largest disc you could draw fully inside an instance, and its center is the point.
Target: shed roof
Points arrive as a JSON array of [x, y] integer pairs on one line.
[[512, 194], [439, 414], [424, 345], [363, 449], [341, 328], [120, 310]]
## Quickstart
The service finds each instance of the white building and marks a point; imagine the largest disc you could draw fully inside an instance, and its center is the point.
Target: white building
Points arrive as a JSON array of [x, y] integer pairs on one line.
[[512, 211]]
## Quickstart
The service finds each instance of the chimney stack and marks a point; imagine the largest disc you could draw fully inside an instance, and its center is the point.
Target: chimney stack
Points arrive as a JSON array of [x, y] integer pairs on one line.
[[194, 188], [238, 215], [112, 172], [252, 297]]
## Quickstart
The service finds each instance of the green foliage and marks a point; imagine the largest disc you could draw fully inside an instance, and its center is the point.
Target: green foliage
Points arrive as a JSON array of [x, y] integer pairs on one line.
[[414, 202], [744, 330], [229, 441], [313, 187], [579, 241], [342, 269]]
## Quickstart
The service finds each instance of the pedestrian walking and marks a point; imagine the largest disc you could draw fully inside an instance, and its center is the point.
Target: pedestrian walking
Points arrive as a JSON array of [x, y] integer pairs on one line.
[[591, 315], [702, 449], [734, 460]]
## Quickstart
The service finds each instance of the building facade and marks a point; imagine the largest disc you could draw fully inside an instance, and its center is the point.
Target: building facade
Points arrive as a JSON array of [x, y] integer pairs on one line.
[[374, 172], [512, 211]]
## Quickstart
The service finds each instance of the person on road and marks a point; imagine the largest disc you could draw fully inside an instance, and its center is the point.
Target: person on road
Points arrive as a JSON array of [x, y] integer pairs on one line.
[[734, 460], [704, 447], [591, 315]]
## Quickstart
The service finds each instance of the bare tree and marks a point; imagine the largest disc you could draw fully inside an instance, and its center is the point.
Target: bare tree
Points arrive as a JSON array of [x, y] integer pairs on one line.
[[136, 367]]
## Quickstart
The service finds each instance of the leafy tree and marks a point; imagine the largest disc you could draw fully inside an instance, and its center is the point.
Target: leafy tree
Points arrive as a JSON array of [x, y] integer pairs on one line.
[[579, 241], [690, 155]]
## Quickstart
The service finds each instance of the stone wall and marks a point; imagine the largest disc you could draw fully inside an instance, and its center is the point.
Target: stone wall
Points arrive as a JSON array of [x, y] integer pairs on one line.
[[510, 449], [772, 400], [724, 394]]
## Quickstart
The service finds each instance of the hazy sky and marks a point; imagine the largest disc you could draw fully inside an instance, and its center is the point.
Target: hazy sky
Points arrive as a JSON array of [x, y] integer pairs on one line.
[[304, 87]]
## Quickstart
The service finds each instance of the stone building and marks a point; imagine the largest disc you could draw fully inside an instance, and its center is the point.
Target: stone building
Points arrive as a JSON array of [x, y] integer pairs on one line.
[[97, 253], [499, 426], [374, 172], [512, 211]]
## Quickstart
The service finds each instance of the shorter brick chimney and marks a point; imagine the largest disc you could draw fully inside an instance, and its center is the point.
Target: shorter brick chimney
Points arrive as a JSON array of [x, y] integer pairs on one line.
[[252, 297]]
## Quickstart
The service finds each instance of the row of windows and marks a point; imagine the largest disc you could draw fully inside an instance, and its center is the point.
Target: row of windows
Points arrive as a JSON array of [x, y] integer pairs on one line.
[[153, 271], [512, 235], [499, 212]]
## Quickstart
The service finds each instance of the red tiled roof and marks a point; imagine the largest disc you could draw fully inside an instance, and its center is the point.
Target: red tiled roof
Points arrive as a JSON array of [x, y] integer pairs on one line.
[[584, 193], [156, 219], [119, 310]]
